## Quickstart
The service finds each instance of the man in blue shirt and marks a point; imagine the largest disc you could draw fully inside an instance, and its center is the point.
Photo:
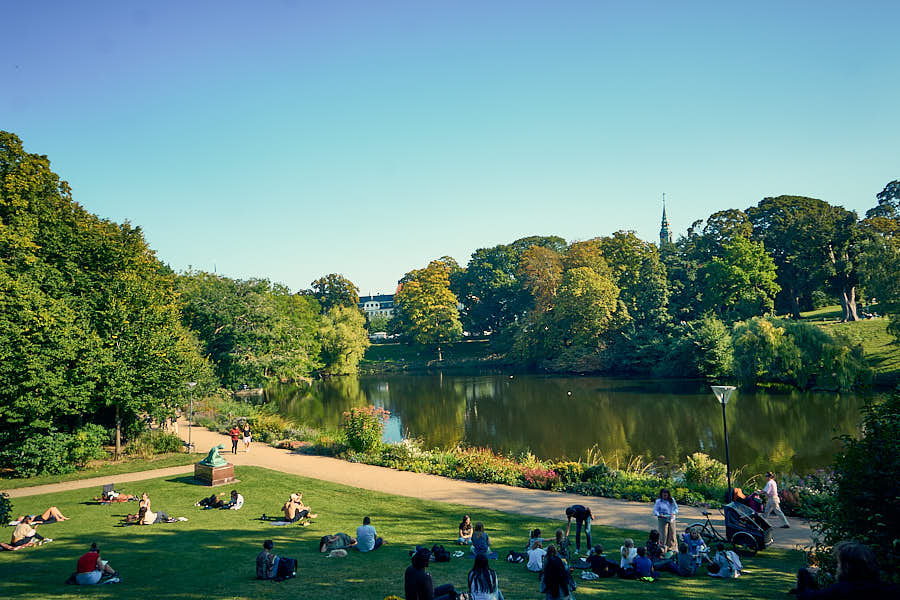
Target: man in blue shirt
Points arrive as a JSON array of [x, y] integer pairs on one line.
[[366, 537], [642, 564]]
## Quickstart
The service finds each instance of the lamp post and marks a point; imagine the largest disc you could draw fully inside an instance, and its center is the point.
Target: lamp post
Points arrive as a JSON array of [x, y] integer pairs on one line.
[[723, 395], [190, 385]]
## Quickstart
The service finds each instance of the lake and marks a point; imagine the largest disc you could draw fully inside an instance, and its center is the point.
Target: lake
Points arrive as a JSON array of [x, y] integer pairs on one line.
[[563, 417]]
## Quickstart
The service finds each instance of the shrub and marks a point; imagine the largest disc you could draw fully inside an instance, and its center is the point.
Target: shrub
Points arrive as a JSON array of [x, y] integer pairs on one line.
[[483, 466], [40, 454], [595, 473], [152, 442], [5, 508], [702, 470], [86, 444], [541, 479], [568, 471], [364, 427], [865, 504]]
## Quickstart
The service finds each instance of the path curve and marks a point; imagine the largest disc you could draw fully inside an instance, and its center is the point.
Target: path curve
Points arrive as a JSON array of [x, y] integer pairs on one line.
[[621, 514]]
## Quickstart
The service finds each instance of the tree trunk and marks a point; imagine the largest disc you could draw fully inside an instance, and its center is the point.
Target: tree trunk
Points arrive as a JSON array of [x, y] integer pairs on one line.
[[118, 434], [440, 356], [848, 304], [795, 305]]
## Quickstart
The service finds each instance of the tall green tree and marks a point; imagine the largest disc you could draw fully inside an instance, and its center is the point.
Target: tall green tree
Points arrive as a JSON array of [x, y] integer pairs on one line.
[[344, 340], [335, 290], [640, 276], [741, 282], [428, 310], [888, 202]]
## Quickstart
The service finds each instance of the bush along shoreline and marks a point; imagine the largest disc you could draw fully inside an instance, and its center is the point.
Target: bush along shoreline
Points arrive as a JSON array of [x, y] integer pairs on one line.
[[698, 481]]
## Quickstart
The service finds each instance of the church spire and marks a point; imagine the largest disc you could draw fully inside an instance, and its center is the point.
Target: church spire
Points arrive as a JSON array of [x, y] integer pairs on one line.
[[665, 232]]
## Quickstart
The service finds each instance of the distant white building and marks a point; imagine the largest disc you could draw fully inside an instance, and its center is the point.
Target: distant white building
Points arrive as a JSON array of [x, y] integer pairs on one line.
[[383, 305]]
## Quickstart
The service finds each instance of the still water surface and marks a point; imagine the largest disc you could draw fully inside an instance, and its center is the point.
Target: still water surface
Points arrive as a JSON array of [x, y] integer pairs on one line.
[[562, 417]]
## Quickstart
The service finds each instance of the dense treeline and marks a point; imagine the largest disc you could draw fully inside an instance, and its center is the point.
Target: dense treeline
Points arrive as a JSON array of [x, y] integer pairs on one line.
[[702, 306], [97, 335]]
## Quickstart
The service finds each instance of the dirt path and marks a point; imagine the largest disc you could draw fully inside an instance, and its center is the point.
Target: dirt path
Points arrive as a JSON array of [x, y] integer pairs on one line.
[[614, 513]]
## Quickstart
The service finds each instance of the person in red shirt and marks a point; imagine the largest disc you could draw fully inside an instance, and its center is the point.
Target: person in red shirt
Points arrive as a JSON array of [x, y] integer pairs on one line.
[[91, 567], [235, 434]]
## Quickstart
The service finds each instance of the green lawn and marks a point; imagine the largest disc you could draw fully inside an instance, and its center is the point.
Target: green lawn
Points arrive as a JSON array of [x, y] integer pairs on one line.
[[103, 469], [212, 555]]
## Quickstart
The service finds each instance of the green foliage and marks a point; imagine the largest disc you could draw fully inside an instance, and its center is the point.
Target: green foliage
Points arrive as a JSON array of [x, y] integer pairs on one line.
[[86, 444], [344, 340], [153, 442], [6, 508], [364, 428], [864, 503], [740, 283], [799, 354], [379, 323], [335, 290], [38, 454], [702, 470], [711, 345], [427, 309]]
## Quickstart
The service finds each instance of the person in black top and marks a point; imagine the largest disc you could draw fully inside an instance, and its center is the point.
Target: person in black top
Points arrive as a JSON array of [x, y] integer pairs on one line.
[[582, 516], [417, 582], [556, 576], [599, 564], [857, 578]]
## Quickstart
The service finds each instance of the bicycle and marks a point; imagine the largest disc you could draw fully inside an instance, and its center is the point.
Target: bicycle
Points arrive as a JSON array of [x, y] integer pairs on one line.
[[741, 541]]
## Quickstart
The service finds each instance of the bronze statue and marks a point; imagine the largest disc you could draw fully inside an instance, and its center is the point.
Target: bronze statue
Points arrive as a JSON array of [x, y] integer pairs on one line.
[[214, 459]]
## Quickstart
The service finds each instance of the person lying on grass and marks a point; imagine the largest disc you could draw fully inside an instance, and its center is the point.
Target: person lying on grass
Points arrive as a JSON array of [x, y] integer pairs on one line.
[[51, 515], [338, 541], [91, 567], [236, 501], [148, 517], [114, 496], [25, 534]]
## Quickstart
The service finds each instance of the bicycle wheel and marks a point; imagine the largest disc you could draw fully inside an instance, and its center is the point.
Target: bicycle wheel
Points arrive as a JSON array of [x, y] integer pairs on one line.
[[744, 544]]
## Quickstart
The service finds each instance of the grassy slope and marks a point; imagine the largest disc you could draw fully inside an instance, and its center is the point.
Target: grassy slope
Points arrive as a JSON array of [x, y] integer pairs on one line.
[[212, 555], [103, 469], [880, 347]]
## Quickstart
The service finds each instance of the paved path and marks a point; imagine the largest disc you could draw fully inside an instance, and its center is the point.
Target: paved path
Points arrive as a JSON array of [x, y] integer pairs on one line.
[[98, 482], [539, 503]]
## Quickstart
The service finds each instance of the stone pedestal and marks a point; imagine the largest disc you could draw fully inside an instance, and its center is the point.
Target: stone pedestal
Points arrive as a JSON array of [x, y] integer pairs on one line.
[[206, 475]]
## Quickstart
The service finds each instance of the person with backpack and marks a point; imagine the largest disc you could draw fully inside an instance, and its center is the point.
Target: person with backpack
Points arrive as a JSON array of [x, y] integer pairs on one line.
[[726, 563], [483, 584], [267, 561]]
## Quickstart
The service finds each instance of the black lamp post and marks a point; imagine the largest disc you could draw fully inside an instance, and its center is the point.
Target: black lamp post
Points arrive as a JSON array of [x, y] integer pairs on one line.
[[723, 395]]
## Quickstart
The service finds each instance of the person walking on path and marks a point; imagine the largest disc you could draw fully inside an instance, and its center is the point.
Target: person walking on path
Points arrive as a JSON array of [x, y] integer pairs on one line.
[[247, 437], [773, 503], [582, 516], [235, 434], [666, 510]]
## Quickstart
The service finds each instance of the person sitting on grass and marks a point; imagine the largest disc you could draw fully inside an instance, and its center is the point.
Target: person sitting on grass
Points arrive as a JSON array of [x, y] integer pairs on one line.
[[857, 577], [367, 538], [91, 567], [51, 515], [483, 584], [600, 565], [562, 545], [627, 552], [533, 538], [267, 561], [25, 534], [696, 546], [654, 550], [235, 502], [726, 563], [417, 582], [295, 510], [465, 531], [556, 577], [642, 564], [481, 542], [338, 541], [684, 564], [535, 557]]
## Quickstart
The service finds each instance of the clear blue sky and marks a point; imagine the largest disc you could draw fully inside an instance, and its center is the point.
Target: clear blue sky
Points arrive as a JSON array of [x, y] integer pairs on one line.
[[293, 139]]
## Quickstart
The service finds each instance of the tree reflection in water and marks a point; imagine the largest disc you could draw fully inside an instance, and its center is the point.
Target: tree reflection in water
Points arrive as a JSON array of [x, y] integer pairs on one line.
[[787, 431]]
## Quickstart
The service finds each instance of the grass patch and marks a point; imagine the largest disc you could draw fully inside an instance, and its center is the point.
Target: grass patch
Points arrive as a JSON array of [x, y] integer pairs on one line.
[[212, 555], [102, 469]]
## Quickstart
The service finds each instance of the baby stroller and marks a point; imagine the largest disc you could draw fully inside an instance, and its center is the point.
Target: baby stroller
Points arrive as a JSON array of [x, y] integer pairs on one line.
[[748, 531], [754, 500]]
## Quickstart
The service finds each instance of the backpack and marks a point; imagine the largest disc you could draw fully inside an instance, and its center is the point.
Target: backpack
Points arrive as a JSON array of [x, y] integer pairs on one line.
[[439, 553]]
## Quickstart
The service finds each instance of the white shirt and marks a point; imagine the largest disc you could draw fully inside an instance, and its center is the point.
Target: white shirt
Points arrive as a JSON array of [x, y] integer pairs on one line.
[[626, 559], [237, 504], [536, 559], [771, 489]]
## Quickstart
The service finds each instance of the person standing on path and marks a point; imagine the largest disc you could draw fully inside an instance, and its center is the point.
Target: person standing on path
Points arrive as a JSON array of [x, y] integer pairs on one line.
[[235, 434], [773, 502], [247, 437], [582, 516], [666, 510]]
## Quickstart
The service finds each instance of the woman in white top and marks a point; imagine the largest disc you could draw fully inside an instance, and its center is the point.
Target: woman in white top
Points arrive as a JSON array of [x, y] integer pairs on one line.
[[666, 510], [536, 557], [773, 502], [627, 552], [483, 583]]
